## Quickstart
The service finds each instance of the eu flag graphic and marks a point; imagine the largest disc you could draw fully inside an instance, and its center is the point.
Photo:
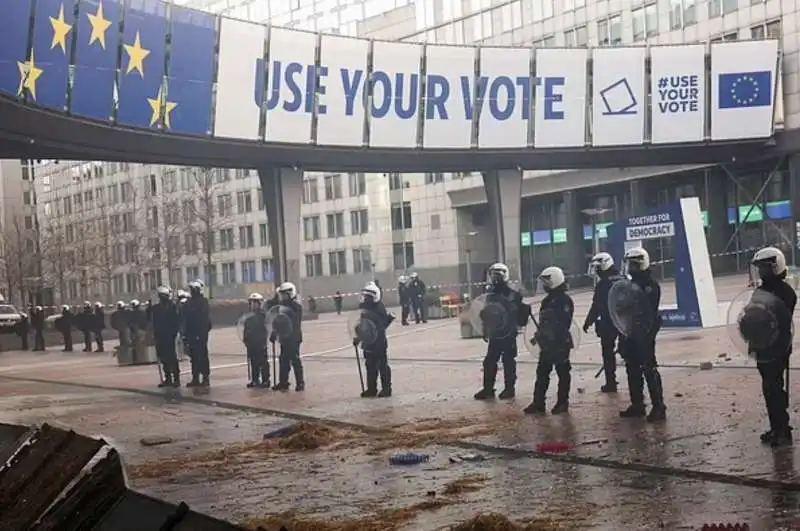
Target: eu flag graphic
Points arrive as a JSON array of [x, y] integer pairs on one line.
[[96, 50], [143, 98], [745, 89], [52, 45], [14, 57], [191, 71]]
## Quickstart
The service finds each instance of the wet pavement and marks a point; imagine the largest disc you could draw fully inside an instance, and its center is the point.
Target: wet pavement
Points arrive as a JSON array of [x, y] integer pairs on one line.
[[623, 474]]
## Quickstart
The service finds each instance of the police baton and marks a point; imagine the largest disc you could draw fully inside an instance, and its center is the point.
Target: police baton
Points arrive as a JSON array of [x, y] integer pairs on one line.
[[274, 364], [360, 373]]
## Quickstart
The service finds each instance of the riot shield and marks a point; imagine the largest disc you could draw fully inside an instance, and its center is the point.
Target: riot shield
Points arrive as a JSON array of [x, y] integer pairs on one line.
[[364, 325], [630, 311], [531, 329], [753, 321], [280, 321], [490, 317], [240, 324]]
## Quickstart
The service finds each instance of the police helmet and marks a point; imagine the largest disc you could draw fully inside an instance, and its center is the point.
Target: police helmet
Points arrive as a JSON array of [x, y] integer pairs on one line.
[[163, 290], [39, 309], [87, 304], [600, 263], [135, 303], [98, 304], [65, 307], [120, 305], [371, 293], [498, 273], [195, 285], [288, 291], [770, 262], [551, 278], [637, 259], [402, 279], [414, 275]]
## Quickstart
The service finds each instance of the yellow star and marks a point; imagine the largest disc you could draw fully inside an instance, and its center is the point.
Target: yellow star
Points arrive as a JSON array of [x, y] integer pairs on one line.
[[161, 105], [60, 30], [99, 26], [137, 56], [28, 74]]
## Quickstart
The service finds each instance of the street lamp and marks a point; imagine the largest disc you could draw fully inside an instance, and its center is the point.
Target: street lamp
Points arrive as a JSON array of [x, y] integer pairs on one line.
[[593, 213], [468, 249]]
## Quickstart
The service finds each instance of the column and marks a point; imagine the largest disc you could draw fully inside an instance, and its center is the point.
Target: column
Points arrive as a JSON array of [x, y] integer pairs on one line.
[[794, 196], [577, 264], [504, 194], [637, 203], [283, 194], [719, 231]]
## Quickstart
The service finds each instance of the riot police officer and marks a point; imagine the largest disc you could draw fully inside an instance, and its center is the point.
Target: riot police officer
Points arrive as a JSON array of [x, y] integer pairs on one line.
[[416, 295], [64, 325], [84, 323], [22, 328], [37, 321], [290, 343], [119, 322], [773, 361], [602, 267], [197, 324], [137, 324], [98, 325], [405, 302], [500, 332], [376, 359], [639, 351], [254, 338], [182, 345], [554, 339], [164, 316]]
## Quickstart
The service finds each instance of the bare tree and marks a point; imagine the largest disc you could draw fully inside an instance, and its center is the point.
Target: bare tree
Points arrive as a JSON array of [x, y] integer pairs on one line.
[[57, 257], [209, 212], [20, 258]]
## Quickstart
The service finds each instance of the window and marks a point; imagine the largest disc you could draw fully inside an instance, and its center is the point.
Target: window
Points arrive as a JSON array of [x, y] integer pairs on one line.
[[645, 22], [152, 279], [311, 228], [248, 271], [130, 252], [575, 36], [267, 270], [335, 223], [125, 192], [211, 275], [67, 206], [433, 178], [359, 221], [29, 222], [113, 194], [241, 174], [263, 234], [244, 201], [176, 277], [362, 260], [152, 218], [154, 244], [192, 272], [187, 211], [314, 265], [395, 181], [226, 239], [169, 183], [69, 233], [609, 31], [337, 263], [228, 274], [98, 195], [190, 246], [401, 215], [729, 6], [436, 222], [770, 30], [727, 37], [403, 254], [310, 192], [132, 283], [357, 183], [246, 240], [261, 204], [222, 175], [545, 42], [118, 282], [224, 205], [26, 197], [333, 187], [207, 241], [682, 13], [77, 202], [88, 199]]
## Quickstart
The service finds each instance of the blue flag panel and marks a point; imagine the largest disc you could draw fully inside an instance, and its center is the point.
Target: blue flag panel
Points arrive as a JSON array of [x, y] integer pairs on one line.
[[745, 89], [14, 25], [96, 58], [52, 44], [191, 71], [142, 93]]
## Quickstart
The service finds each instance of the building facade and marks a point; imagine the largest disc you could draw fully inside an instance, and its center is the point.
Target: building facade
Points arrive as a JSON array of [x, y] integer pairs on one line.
[[356, 226]]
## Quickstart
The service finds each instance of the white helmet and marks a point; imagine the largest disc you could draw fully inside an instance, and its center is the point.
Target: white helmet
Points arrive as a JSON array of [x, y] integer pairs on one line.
[[637, 259], [288, 291], [770, 262], [39, 309], [98, 304], [551, 278], [600, 262], [498, 272], [23, 315], [255, 297], [182, 294], [195, 285], [163, 290], [87, 304], [135, 303], [64, 307], [414, 275], [120, 305], [402, 279], [372, 291]]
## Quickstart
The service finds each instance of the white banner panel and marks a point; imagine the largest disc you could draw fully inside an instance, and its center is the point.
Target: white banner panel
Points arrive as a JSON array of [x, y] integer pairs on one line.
[[560, 98], [505, 91], [396, 95], [678, 86], [241, 54], [743, 76], [291, 82], [343, 84], [619, 102], [449, 96]]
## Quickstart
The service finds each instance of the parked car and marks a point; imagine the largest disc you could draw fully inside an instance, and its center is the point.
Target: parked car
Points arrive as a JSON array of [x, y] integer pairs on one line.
[[9, 317]]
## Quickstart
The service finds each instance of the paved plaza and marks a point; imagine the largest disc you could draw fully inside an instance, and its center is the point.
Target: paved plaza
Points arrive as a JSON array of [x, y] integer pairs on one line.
[[704, 465]]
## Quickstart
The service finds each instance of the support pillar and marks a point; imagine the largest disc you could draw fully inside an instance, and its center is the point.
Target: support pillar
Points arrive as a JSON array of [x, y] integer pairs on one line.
[[637, 202], [577, 264], [794, 196], [719, 231], [504, 195], [283, 194]]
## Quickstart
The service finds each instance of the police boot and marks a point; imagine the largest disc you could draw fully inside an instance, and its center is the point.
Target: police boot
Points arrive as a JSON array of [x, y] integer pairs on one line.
[[195, 382], [564, 383], [283, 376], [372, 377], [176, 379], [264, 383], [206, 382], [297, 366], [658, 413], [386, 382], [167, 380], [609, 387], [636, 389], [535, 409], [489, 376]]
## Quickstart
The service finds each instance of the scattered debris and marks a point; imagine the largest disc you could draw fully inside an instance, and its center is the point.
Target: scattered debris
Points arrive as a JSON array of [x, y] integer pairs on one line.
[[307, 436], [283, 431], [409, 458], [706, 366], [470, 458], [553, 447], [465, 484], [155, 440]]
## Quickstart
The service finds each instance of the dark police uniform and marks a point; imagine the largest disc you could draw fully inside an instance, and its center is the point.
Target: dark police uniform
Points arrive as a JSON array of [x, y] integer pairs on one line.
[[289, 358], [555, 341], [376, 354], [599, 317], [255, 338], [197, 323], [164, 315]]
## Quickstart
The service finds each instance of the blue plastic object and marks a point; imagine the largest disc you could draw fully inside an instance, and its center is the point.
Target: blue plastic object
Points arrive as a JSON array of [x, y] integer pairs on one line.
[[409, 459]]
